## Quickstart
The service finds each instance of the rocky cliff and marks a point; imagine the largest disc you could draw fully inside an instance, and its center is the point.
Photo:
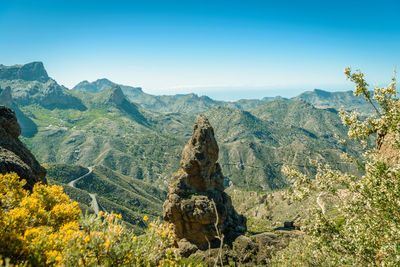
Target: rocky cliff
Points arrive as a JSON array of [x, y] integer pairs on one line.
[[33, 71], [196, 202], [30, 84], [14, 156]]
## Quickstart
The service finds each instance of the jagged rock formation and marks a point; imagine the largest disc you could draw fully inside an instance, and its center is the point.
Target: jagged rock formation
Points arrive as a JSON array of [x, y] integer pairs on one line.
[[30, 84], [14, 156], [196, 190], [33, 71]]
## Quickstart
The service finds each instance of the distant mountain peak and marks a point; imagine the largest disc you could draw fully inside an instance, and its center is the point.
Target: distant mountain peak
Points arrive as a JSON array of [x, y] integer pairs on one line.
[[322, 93], [116, 95], [33, 71], [100, 85]]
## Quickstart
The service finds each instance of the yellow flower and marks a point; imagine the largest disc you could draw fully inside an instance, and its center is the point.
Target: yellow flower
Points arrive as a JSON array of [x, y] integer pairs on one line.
[[107, 244], [134, 239], [87, 239], [145, 218], [164, 234]]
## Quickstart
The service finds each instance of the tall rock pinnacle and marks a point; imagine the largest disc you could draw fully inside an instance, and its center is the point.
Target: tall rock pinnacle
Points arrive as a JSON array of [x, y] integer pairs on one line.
[[196, 197]]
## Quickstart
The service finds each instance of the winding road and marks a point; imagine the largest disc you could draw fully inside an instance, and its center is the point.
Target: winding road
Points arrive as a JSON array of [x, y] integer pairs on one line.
[[94, 203]]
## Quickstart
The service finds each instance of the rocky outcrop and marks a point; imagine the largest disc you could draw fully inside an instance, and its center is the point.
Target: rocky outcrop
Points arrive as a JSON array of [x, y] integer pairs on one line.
[[33, 71], [14, 156], [196, 202]]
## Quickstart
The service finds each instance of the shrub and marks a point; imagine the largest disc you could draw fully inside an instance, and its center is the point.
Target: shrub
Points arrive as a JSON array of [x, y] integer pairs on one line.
[[35, 227], [366, 228]]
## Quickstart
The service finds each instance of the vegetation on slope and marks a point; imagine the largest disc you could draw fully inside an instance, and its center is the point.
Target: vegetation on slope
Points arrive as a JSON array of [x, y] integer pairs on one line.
[[253, 149], [115, 192]]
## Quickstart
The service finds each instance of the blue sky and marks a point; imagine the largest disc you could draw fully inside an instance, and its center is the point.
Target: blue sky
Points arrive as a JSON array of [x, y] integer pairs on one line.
[[225, 49]]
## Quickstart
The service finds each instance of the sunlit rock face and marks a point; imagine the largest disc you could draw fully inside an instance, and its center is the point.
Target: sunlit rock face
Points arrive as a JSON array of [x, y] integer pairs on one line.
[[196, 200]]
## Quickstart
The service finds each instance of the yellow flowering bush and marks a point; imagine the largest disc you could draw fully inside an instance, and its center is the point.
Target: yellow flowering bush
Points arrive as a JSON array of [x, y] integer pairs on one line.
[[46, 228], [35, 227], [104, 241]]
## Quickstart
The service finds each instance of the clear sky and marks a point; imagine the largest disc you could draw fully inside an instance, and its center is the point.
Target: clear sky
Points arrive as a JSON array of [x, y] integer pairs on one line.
[[226, 49]]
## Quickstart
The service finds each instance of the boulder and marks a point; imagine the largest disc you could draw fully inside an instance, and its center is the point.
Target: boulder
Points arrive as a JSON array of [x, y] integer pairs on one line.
[[196, 203], [14, 156]]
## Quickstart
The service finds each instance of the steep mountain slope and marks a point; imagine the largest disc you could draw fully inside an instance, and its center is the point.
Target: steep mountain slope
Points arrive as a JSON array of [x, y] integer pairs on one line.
[[253, 150], [130, 197], [113, 132], [321, 122]]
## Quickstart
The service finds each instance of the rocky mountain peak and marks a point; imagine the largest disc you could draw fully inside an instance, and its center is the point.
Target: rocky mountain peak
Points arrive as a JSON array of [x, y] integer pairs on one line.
[[200, 155], [196, 202], [116, 95], [33, 71], [14, 156]]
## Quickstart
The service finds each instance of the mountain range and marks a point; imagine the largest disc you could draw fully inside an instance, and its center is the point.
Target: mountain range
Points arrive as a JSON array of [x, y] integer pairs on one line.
[[133, 140]]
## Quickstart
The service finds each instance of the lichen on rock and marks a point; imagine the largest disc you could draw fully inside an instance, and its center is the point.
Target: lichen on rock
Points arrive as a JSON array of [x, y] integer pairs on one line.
[[196, 201]]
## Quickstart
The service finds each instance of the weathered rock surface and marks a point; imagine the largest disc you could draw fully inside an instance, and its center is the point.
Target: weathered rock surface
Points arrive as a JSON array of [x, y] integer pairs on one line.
[[14, 156], [196, 201]]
